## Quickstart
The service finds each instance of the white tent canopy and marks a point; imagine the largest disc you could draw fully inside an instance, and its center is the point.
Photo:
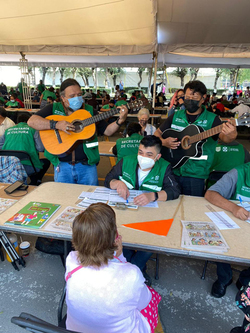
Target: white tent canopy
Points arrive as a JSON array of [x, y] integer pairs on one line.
[[102, 33]]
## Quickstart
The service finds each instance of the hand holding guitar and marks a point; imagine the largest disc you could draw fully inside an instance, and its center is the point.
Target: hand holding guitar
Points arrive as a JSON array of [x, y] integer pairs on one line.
[[65, 126], [229, 129], [171, 143], [123, 113]]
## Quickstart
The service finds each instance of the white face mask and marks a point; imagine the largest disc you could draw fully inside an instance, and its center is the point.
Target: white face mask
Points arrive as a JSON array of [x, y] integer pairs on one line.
[[145, 162]]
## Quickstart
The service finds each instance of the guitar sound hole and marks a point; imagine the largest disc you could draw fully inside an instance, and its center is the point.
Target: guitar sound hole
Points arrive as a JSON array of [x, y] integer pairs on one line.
[[78, 126], [185, 143]]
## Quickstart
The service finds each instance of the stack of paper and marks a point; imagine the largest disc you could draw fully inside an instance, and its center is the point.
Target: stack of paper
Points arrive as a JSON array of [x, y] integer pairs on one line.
[[202, 236], [111, 197], [64, 221], [6, 203]]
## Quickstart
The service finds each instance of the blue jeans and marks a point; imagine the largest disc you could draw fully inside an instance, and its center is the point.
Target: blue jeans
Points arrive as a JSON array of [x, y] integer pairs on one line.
[[191, 186], [138, 258], [76, 174]]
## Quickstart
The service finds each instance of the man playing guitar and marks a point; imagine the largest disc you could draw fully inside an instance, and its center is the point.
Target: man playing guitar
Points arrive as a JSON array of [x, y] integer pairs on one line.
[[191, 176], [78, 165]]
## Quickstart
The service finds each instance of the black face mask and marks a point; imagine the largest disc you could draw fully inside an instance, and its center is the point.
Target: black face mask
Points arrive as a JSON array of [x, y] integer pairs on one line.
[[191, 105]]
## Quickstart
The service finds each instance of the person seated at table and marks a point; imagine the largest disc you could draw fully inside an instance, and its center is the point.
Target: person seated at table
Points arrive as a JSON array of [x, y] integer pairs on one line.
[[234, 185], [133, 97], [105, 99], [5, 122], [87, 94], [36, 98], [93, 102], [109, 106], [116, 298], [177, 102], [18, 100], [12, 103], [50, 100], [122, 100], [143, 118], [117, 92], [129, 145], [45, 95], [23, 137], [98, 94], [41, 87], [146, 171]]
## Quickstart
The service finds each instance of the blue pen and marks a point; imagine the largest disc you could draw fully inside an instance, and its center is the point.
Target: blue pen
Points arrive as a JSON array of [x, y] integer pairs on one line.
[[127, 200], [241, 202]]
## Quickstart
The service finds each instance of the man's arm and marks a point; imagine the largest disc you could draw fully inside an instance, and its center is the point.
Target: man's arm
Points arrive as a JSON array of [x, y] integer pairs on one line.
[[39, 123], [170, 142], [219, 193], [2, 139], [38, 142], [113, 127]]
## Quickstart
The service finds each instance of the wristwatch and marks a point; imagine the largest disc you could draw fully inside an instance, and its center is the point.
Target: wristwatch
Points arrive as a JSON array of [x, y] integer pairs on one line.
[[156, 196], [118, 122]]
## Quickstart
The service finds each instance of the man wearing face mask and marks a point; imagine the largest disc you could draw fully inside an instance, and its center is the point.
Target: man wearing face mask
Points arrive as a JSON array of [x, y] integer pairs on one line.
[[79, 165], [146, 171], [191, 176]]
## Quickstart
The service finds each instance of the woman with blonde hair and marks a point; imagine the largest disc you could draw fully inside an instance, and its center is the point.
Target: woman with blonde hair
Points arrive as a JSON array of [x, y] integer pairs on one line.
[[105, 294], [143, 117]]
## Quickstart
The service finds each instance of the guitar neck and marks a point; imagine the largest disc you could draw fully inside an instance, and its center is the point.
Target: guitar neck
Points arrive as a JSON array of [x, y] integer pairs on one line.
[[100, 116], [206, 134]]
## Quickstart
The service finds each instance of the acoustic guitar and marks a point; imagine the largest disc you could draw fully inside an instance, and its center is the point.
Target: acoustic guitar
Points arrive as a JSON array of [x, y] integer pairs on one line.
[[192, 139], [58, 142]]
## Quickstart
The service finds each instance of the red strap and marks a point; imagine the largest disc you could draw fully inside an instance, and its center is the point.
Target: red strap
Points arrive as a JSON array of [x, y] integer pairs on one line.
[[72, 272]]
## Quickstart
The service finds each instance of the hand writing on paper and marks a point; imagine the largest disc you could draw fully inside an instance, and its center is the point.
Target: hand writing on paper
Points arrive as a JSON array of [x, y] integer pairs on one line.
[[144, 198], [122, 190], [240, 213]]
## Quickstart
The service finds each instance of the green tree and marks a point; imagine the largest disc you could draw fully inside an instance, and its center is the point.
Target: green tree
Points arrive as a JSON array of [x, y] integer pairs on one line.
[[140, 71], [181, 73], [193, 73], [114, 73], [61, 70], [43, 71], [84, 73]]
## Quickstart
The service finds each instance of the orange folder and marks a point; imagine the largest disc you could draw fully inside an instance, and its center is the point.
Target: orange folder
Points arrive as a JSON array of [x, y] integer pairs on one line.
[[160, 227]]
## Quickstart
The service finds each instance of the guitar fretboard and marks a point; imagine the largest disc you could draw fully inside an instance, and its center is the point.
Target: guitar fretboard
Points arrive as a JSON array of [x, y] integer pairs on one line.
[[99, 117], [206, 134]]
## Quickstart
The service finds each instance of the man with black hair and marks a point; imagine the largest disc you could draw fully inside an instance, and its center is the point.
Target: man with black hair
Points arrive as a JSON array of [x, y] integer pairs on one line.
[[129, 145], [5, 122], [191, 176], [78, 165], [145, 171], [23, 137]]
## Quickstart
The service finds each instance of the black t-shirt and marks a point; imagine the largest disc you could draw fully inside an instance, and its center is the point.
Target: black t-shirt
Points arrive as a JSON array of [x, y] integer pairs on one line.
[[79, 153], [191, 119]]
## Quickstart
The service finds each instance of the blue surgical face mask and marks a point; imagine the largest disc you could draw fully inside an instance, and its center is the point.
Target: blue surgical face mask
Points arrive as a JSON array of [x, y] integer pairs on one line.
[[75, 103]]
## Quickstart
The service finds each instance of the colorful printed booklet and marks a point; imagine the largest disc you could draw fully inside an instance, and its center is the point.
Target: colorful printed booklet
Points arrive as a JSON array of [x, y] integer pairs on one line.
[[34, 215], [6, 203], [203, 236], [64, 221]]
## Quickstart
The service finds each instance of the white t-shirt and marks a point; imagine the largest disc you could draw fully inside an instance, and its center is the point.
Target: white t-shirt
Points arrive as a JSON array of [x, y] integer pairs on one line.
[[7, 123], [150, 129], [106, 300], [241, 108], [142, 175]]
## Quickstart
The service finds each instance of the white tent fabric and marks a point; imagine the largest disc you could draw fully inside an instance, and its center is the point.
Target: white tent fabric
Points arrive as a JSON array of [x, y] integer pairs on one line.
[[125, 32]]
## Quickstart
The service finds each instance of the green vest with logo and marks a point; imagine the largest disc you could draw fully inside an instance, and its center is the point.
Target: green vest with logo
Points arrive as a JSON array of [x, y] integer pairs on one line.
[[90, 147], [197, 168], [243, 182], [227, 157], [21, 137], [154, 180], [128, 146]]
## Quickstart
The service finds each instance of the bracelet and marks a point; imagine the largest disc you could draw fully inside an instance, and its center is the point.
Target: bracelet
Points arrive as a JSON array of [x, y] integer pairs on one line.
[[156, 196], [52, 124], [118, 123]]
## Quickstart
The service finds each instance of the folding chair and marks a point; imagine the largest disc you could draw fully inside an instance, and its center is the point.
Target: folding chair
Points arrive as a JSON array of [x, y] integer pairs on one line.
[[37, 325], [22, 155]]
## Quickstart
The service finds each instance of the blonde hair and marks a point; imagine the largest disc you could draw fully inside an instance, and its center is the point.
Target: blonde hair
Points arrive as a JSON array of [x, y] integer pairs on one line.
[[142, 112], [94, 233]]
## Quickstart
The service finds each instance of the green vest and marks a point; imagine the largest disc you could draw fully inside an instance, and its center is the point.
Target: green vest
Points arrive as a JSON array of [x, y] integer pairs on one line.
[[154, 180], [21, 137], [197, 168], [121, 102], [13, 104], [90, 147], [128, 146], [243, 183], [227, 157]]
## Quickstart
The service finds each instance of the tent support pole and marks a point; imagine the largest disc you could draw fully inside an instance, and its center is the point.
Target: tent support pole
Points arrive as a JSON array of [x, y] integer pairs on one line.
[[154, 90], [96, 80], [236, 77]]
